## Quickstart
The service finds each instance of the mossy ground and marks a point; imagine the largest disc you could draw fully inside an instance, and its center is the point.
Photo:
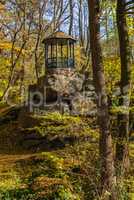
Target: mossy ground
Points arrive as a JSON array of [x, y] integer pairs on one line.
[[53, 157]]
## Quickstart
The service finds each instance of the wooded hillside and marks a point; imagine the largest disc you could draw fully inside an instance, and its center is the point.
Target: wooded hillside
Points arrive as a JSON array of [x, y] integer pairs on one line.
[[66, 100]]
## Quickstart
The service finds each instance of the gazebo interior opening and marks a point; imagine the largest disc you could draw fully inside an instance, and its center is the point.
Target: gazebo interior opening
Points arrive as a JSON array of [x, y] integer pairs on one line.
[[59, 53]]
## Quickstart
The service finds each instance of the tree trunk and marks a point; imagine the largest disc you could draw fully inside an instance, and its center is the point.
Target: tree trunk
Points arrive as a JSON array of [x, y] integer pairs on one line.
[[106, 151], [71, 17], [81, 24], [122, 150]]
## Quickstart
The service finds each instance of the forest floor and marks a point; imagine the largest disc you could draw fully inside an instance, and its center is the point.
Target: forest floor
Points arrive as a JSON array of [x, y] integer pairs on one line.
[[49, 157]]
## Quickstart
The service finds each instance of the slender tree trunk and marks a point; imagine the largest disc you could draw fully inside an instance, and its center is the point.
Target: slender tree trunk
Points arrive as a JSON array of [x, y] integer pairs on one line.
[[81, 24], [106, 151], [122, 149], [13, 65], [71, 17], [23, 39], [107, 28]]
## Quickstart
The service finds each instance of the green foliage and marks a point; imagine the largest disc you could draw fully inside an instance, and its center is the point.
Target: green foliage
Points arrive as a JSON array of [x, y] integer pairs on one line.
[[63, 193], [81, 59], [73, 172], [53, 161], [55, 124], [18, 194], [112, 72], [4, 73], [56, 116], [122, 193]]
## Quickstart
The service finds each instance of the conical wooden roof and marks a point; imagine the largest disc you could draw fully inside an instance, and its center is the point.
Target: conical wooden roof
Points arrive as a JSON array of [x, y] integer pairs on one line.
[[59, 35]]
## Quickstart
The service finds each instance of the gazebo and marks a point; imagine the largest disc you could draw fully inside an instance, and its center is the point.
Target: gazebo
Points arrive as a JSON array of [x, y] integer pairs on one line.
[[59, 51], [60, 88]]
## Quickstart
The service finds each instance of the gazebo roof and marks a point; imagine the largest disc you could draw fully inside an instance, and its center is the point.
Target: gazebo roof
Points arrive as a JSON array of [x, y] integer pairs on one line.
[[59, 35]]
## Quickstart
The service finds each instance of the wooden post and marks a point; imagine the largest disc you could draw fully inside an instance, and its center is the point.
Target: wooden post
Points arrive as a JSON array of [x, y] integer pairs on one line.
[[67, 52], [51, 54], [62, 55], [70, 50], [56, 54], [46, 55], [73, 55], [51, 50]]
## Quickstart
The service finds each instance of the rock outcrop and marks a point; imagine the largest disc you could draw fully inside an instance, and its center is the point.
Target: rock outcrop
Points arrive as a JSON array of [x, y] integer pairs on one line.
[[65, 91]]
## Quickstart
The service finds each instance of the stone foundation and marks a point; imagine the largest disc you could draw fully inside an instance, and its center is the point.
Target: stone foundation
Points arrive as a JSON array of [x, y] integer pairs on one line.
[[65, 90]]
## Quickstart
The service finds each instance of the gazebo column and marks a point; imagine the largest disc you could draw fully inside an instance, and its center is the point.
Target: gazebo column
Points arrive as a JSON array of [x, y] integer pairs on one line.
[[59, 51], [70, 50], [57, 55], [67, 52], [62, 55], [73, 54], [46, 54], [51, 52]]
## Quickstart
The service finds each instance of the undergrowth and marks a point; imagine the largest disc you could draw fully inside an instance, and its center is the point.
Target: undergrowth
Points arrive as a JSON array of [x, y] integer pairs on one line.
[[69, 173]]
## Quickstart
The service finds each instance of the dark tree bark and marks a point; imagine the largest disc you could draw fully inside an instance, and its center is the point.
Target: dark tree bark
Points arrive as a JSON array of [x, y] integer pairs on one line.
[[23, 39], [122, 150], [106, 151], [71, 17], [81, 24]]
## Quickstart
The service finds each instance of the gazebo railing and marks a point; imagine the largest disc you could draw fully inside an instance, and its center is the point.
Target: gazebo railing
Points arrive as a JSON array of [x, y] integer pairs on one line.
[[60, 62]]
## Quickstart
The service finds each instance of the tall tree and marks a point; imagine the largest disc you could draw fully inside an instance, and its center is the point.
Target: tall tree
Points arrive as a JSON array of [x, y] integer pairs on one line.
[[17, 31], [81, 23], [41, 7], [71, 17], [106, 150], [122, 150]]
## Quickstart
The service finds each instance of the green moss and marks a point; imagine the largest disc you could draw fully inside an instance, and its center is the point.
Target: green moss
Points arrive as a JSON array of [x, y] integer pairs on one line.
[[131, 146], [63, 193], [53, 160], [19, 194], [55, 124]]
